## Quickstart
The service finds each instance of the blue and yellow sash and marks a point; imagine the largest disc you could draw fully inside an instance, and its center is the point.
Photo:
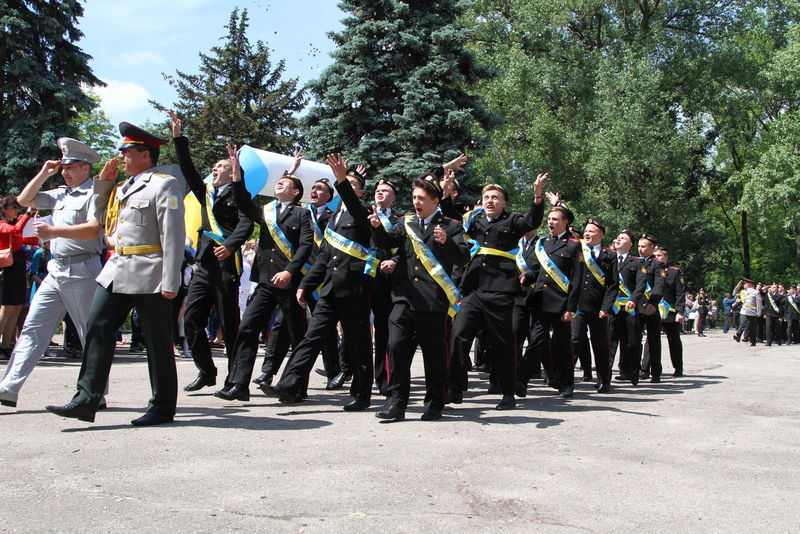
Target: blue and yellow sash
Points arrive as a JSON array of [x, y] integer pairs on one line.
[[772, 302], [312, 209], [592, 265], [275, 232], [387, 225], [216, 231], [522, 265], [664, 307], [623, 299], [351, 248], [475, 248], [551, 268], [434, 268], [792, 302]]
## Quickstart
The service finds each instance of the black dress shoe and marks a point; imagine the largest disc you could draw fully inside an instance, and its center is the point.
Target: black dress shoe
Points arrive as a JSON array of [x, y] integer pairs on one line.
[[279, 393], [263, 378], [567, 392], [677, 373], [337, 382], [520, 389], [383, 389], [431, 414], [622, 377], [605, 387], [392, 413], [507, 403], [655, 379], [102, 406], [635, 379], [493, 389], [12, 404], [482, 368], [321, 372], [136, 347], [454, 396], [73, 410], [200, 382], [356, 405], [151, 419], [587, 378], [644, 375], [235, 392]]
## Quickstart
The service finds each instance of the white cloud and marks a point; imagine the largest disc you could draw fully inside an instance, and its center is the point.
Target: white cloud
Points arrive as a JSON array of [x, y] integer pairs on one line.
[[122, 97], [141, 57]]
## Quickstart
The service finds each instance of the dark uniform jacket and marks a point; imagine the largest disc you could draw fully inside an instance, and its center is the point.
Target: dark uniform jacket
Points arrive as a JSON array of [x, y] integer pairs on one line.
[[411, 282], [235, 225], [594, 297], [656, 273], [546, 295], [496, 273], [633, 276], [337, 271], [322, 222], [791, 312], [295, 222], [384, 253], [674, 292], [777, 298]]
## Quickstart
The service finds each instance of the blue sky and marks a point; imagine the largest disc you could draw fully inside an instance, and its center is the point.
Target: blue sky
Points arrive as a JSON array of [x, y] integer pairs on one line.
[[133, 43]]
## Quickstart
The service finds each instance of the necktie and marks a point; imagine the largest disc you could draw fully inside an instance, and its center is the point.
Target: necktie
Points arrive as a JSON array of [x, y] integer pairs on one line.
[[594, 254], [422, 224], [620, 258], [278, 210], [128, 185], [214, 196]]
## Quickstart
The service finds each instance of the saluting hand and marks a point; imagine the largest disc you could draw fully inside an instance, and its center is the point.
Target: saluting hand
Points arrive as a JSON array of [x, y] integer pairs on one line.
[[110, 170], [50, 167], [373, 218], [439, 235]]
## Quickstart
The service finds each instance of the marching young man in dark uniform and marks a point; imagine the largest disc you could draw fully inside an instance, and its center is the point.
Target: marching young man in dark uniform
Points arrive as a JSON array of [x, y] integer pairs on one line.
[[218, 260], [649, 313], [145, 224], [342, 267], [556, 294], [792, 316], [625, 328], [488, 285], [381, 290], [284, 246], [530, 361], [596, 306], [675, 296], [422, 293], [773, 313]]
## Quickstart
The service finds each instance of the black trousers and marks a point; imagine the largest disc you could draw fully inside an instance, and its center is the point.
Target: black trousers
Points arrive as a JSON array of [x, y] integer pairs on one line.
[[627, 333], [651, 324], [255, 318], [598, 328], [791, 331], [106, 315], [773, 330], [381, 303], [353, 312], [494, 312], [211, 286], [672, 330], [557, 350], [407, 328]]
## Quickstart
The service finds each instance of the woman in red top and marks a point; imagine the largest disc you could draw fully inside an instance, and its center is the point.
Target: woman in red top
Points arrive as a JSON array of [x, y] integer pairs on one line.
[[13, 285]]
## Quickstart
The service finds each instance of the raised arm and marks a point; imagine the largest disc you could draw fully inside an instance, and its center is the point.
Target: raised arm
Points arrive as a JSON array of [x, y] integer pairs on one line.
[[193, 178]]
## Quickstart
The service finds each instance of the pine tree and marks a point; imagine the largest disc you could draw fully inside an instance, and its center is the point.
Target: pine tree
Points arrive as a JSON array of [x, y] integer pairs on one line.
[[396, 97], [40, 84], [238, 97]]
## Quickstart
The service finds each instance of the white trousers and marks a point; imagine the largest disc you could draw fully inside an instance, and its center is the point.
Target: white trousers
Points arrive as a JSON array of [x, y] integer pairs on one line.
[[66, 288]]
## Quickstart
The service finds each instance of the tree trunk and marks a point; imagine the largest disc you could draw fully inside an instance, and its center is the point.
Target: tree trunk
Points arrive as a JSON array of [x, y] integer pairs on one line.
[[745, 247]]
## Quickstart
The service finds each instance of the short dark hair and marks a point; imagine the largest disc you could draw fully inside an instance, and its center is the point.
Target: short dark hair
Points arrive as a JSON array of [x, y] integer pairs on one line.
[[9, 201], [431, 186], [154, 153]]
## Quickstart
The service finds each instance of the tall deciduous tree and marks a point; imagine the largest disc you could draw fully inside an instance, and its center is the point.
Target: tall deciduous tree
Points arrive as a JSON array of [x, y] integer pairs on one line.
[[42, 71], [238, 97], [397, 95]]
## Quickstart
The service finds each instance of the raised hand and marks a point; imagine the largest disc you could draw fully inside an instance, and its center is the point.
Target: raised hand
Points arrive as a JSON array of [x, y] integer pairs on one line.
[[236, 175], [298, 160], [373, 218], [447, 181], [456, 164], [338, 166], [110, 170], [537, 186], [176, 123], [552, 198], [362, 170]]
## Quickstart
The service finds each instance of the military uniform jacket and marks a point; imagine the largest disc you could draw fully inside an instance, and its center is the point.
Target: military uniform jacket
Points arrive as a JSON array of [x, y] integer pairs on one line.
[[150, 213], [411, 282], [674, 291], [791, 313], [295, 222], [235, 225], [594, 297], [656, 273], [340, 274], [779, 303], [496, 273], [532, 271], [384, 253], [635, 279], [546, 295]]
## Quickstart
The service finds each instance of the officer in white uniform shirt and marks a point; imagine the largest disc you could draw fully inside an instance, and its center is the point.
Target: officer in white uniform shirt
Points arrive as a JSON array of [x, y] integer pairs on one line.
[[145, 224], [76, 242]]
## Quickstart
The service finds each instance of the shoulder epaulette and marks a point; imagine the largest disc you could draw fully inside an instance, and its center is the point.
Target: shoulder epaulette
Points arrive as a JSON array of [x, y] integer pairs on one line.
[[574, 240], [162, 175], [672, 267]]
